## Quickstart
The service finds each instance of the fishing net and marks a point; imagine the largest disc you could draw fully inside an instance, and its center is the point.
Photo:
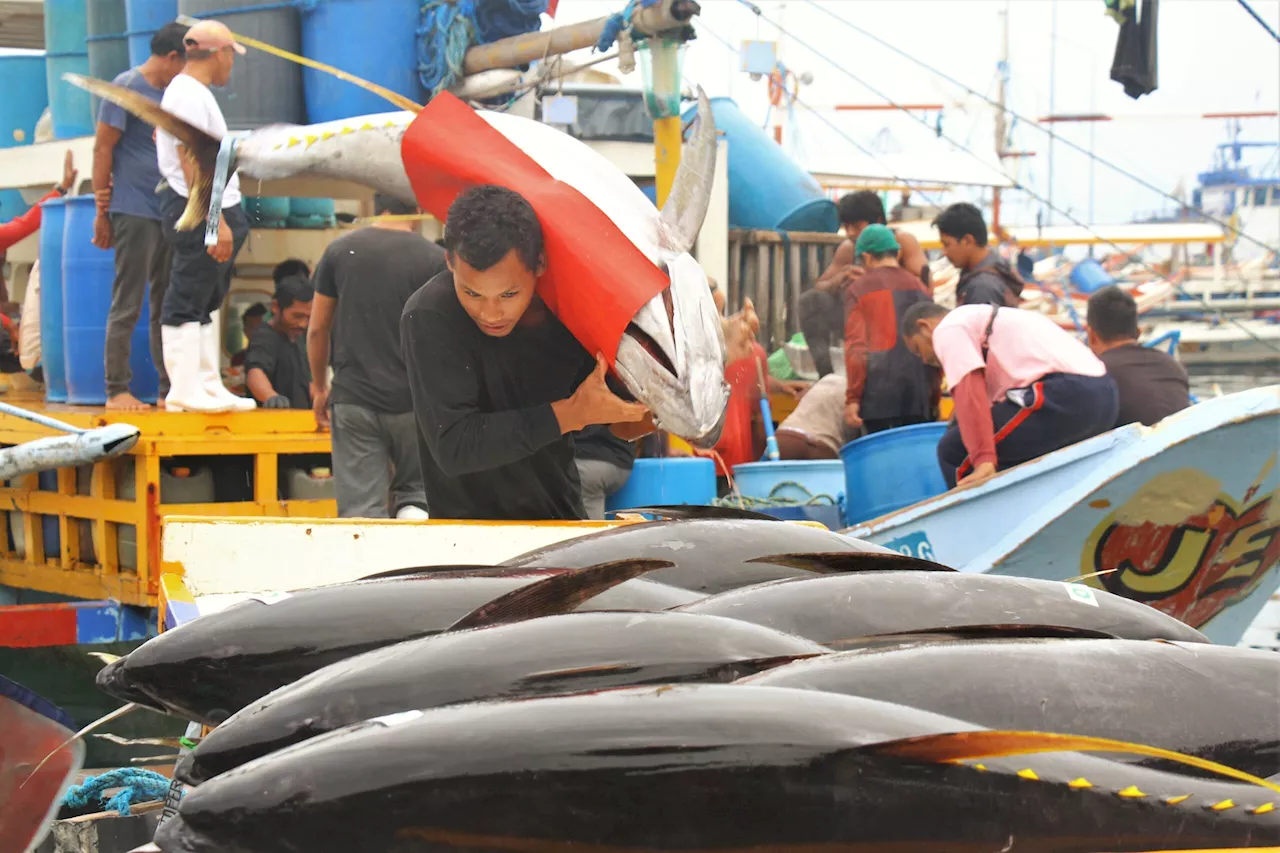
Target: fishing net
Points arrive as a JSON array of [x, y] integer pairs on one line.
[[661, 63]]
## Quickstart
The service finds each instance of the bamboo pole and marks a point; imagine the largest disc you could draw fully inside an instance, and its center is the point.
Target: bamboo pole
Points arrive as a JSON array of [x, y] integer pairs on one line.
[[531, 47]]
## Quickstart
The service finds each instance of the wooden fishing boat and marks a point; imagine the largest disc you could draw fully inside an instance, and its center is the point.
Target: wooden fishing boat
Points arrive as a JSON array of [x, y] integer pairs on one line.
[[1184, 516]]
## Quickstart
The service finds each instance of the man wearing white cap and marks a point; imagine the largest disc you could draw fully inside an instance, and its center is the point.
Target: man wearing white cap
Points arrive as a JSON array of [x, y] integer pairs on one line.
[[200, 276]]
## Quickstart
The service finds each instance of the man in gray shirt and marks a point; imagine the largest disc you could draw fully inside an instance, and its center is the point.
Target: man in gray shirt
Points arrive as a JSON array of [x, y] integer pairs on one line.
[[125, 176]]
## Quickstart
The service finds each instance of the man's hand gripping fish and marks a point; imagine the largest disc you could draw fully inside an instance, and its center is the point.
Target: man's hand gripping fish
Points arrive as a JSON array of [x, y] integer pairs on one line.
[[671, 354]]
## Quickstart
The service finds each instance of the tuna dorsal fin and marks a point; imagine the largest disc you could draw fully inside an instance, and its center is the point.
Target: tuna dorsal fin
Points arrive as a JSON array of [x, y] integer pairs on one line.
[[426, 570], [559, 594], [973, 632], [696, 511], [956, 747], [853, 561]]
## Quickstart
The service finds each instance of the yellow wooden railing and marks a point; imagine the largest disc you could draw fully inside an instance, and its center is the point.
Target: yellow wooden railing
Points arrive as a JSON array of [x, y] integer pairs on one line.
[[90, 515]]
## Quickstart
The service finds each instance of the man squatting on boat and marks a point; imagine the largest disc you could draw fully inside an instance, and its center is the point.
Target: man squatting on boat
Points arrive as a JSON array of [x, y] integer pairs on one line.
[[1022, 386]]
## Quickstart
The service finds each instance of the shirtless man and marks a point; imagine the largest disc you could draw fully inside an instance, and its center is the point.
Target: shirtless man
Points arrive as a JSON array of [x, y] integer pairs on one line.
[[822, 308]]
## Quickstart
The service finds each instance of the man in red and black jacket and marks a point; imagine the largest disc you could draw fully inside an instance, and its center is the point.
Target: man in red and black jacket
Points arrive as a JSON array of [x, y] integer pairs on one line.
[[22, 227], [887, 386]]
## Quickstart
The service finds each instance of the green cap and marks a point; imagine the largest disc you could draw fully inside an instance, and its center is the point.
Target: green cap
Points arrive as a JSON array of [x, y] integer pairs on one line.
[[876, 240]]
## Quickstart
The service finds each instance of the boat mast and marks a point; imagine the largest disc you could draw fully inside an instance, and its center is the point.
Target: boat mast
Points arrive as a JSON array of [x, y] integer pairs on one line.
[[1001, 124]]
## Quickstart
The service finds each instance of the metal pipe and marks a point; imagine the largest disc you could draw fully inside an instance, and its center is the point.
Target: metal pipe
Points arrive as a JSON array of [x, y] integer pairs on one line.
[[531, 47]]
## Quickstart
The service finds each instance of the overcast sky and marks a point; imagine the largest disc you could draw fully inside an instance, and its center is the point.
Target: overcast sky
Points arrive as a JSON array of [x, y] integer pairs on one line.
[[1213, 58]]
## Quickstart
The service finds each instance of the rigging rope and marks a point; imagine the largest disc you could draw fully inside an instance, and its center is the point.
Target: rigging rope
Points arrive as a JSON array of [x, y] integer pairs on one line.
[[1079, 148], [915, 185], [1260, 20], [1016, 183]]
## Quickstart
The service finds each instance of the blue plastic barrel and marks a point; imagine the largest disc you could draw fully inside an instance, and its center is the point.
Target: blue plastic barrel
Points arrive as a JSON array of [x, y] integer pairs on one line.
[[829, 516], [767, 189], [377, 40], [52, 221], [144, 17], [1089, 276], [814, 477], [307, 212], [888, 470], [108, 50], [87, 274], [66, 26], [667, 481], [48, 482], [266, 211], [26, 94]]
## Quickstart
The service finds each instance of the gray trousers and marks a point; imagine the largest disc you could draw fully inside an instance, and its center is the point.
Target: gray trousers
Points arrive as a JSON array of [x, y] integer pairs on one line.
[[599, 480], [142, 256], [375, 462]]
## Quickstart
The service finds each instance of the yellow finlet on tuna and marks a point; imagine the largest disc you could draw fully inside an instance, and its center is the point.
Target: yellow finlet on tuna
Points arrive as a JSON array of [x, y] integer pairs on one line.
[[1132, 792], [959, 746]]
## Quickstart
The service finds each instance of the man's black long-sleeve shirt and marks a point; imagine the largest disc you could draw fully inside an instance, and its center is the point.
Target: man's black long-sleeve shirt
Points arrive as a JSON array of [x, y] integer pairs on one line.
[[488, 441]]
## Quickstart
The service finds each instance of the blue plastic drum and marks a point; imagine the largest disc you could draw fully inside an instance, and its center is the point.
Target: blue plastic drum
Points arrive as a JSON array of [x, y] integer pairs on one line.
[[667, 481], [886, 471]]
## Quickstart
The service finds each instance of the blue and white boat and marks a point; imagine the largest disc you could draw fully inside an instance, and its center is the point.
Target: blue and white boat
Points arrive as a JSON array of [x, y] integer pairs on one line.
[[1184, 516]]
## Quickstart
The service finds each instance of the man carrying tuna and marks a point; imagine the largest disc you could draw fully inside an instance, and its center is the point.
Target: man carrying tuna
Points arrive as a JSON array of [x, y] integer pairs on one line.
[[1022, 386], [199, 278], [498, 382]]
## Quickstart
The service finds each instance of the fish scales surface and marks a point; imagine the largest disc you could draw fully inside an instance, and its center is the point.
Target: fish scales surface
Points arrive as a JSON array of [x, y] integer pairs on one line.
[[1216, 702], [842, 609], [214, 666], [711, 555], [553, 654], [698, 767]]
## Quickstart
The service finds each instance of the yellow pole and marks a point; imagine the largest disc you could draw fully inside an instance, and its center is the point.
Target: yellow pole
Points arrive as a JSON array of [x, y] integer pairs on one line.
[[666, 154]]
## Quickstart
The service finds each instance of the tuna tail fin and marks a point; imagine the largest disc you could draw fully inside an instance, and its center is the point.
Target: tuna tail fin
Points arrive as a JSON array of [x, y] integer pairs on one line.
[[200, 146], [559, 594], [853, 561], [961, 746]]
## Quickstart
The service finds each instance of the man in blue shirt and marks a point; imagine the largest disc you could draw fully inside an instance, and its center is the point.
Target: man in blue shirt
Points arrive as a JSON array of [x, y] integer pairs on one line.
[[125, 176]]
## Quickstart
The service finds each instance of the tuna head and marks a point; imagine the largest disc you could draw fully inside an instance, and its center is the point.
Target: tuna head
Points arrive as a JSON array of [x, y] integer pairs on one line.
[[672, 354]]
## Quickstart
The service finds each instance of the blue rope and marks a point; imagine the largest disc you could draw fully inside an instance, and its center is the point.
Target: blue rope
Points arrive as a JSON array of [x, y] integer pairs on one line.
[[138, 786], [618, 22], [450, 28]]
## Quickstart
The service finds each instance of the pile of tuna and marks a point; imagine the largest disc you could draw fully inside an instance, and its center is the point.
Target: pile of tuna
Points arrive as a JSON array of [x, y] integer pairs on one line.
[[704, 685]]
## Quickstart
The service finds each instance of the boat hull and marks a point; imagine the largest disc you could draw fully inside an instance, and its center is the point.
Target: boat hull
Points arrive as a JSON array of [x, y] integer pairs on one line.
[[1184, 516]]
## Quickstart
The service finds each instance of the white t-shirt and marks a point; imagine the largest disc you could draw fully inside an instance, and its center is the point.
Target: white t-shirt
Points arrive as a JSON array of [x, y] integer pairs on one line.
[[193, 102]]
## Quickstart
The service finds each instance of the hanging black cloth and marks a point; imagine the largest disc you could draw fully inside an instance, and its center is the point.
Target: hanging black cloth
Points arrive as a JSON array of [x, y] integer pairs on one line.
[[1134, 66]]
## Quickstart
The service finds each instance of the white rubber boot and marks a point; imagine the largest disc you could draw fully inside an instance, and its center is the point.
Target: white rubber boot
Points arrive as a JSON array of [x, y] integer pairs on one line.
[[411, 512], [211, 376], [182, 361]]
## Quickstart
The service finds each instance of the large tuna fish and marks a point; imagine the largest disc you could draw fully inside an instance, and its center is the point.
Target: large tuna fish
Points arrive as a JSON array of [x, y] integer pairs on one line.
[[212, 667], [1217, 702], [713, 555], [843, 610], [619, 274], [706, 767], [554, 654]]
